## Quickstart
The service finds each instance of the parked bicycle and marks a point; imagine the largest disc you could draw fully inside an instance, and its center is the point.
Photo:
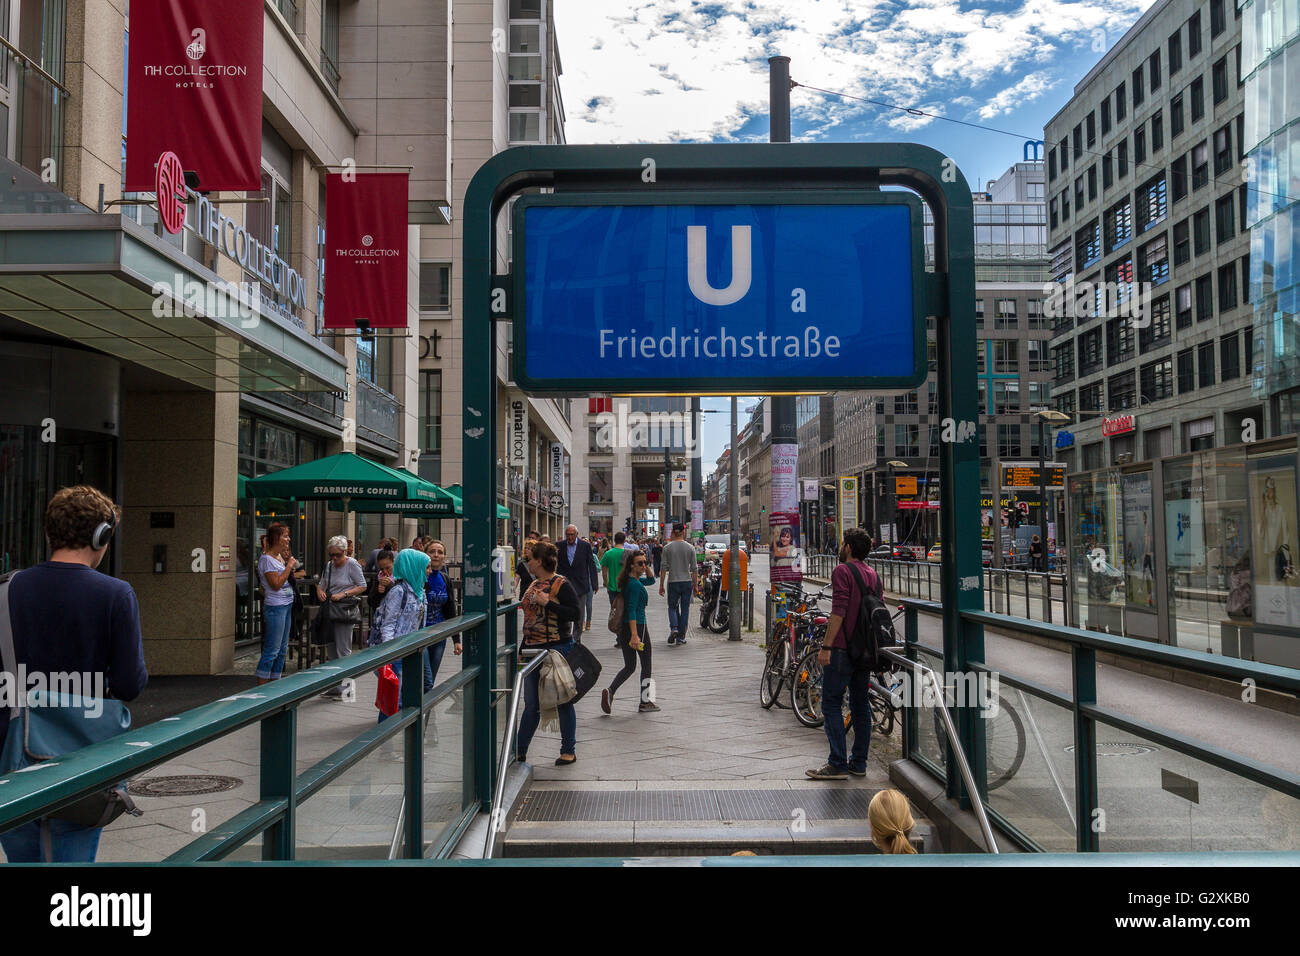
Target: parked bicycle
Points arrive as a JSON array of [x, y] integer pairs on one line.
[[803, 624]]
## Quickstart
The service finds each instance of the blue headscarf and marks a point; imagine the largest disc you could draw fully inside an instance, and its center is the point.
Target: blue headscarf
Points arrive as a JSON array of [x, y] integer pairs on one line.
[[412, 566]]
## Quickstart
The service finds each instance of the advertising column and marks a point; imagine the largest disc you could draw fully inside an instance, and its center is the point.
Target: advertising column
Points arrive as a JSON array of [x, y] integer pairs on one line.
[[786, 554], [847, 506]]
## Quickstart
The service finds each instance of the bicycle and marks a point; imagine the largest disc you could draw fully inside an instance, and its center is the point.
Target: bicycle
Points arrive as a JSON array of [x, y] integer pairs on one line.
[[787, 648], [882, 692]]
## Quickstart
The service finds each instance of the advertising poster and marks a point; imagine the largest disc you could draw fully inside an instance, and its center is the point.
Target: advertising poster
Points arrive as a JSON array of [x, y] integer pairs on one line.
[[365, 250], [848, 505], [697, 518], [1139, 563], [785, 482], [785, 547], [1274, 545], [1185, 533]]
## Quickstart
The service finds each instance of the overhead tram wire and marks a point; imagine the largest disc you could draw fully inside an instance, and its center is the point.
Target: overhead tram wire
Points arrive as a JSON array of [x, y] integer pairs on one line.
[[913, 111]]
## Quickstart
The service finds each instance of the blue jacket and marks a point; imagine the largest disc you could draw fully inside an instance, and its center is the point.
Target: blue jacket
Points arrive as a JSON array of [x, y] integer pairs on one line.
[[577, 572]]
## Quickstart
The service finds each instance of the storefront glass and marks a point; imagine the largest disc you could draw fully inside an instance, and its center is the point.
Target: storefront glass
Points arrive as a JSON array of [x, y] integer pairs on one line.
[[1096, 550]]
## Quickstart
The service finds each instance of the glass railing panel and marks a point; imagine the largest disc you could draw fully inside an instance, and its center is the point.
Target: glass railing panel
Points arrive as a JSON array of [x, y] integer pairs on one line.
[[445, 767], [354, 817], [1154, 799], [1031, 767]]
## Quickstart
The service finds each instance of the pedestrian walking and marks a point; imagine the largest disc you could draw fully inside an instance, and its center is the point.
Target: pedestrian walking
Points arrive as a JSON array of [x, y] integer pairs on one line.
[[574, 557], [657, 555], [593, 584], [403, 609], [682, 578], [838, 673], [633, 636], [521, 565], [67, 618], [551, 613], [340, 586], [1036, 553], [275, 569], [611, 566]]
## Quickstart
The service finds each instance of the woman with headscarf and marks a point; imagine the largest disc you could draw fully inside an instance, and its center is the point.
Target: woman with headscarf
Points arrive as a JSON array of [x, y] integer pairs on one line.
[[403, 609]]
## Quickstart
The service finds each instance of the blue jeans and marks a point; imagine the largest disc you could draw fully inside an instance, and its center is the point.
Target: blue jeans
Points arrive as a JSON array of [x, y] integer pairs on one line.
[[533, 712], [837, 677], [590, 594], [276, 621], [71, 843], [679, 606], [432, 661]]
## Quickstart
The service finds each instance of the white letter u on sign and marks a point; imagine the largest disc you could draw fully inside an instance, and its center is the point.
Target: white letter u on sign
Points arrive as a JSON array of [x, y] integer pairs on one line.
[[697, 261]]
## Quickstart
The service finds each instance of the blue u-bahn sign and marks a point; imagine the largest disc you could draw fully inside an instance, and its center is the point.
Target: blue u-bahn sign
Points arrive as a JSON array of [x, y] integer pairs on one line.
[[714, 295]]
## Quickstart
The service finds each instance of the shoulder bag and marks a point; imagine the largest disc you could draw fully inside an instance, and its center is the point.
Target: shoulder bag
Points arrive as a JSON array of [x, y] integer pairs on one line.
[[343, 611]]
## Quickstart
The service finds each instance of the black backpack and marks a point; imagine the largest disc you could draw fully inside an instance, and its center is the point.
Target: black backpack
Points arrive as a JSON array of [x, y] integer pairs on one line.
[[872, 630]]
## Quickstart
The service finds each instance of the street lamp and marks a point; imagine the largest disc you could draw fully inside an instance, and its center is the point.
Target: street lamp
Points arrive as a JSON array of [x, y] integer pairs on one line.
[[893, 512], [1056, 418]]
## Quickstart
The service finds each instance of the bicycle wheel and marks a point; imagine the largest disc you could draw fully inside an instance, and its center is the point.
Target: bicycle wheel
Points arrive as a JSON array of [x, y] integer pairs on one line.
[[882, 714], [773, 678], [806, 691], [1004, 742]]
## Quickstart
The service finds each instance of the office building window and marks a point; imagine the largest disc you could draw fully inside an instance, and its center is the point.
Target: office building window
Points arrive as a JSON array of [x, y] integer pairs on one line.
[[1227, 287], [1175, 53], [1157, 380], [1159, 329], [907, 441], [979, 313], [1219, 80], [1178, 174], [905, 404], [430, 423], [1121, 159], [1064, 401], [1105, 116], [1153, 202], [1182, 242], [1008, 441], [1107, 171], [1006, 317], [1201, 231], [1229, 357], [1157, 131], [1140, 145], [1090, 357], [1065, 153], [1121, 392], [435, 287], [1065, 205], [1078, 141], [1197, 95], [1194, 34], [1064, 358], [1186, 371], [1200, 165], [1183, 306], [1153, 70], [1153, 261], [1225, 220], [1223, 150], [1037, 354], [1118, 223], [1078, 194], [1091, 124], [1119, 340], [1218, 22], [1034, 310], [1090, 400], [1139, 92], [1006, 355], [1176, 116], [1204, 298], [1205, 364], [1121, 103], [329, 42], [1092, 182], [1006, 397]]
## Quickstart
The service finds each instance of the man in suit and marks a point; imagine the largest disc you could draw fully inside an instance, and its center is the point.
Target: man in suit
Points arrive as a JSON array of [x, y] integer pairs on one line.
[[574, 564]]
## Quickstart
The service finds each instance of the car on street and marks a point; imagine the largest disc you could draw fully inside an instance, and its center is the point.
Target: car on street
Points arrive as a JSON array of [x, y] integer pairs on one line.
[[895, 552], [936, 553], [717, 544]]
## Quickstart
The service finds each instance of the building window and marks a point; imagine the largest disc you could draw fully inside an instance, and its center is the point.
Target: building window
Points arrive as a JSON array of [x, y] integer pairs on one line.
[[1065, 153], [1229, 357], [1153, 70], [1034, 310], [1200, 165], [1218, 22], [1006, 355], [1175, 53], [1183, 306], [1197, 94], [1119, 340], [1092, 182], [1064, 360], [1222, 150], [1008, 441], [1091, 123], [1205, 364], [1157, 131], [1090, 357], [1121, 159], [1157, 380], [1219, 80], [526, 104], [1178, 173], [1186, 372], [1051, 164], [1037, 354], [1006, 397], [329, 42], [1121, 392], [600, 484], [1006, 317], [1182, 242], [1107, 171], [979, 313], [1159, 329], [435, 287], [1139, 145], [1204, 298], [1105, 116], [1078, 194], [1078, 141], [1121, 103], [1118, 224], [1090, 399], [1201, 231], [1225, 221], [1139, 93], [1194, 34], [1176, 116], [1153, 202], [1227, 287], [1153, 261], [430, 412], [1065, 401], [1065, 205], [907, 441]]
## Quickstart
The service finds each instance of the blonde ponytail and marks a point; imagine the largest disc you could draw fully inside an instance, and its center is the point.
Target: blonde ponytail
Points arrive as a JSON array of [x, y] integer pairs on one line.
[[890, 817]]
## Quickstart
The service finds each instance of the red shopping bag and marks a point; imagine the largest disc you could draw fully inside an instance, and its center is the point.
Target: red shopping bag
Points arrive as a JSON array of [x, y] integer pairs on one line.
[[388, 697]]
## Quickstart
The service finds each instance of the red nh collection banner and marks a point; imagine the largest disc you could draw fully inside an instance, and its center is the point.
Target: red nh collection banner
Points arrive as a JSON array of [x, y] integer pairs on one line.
[[365, 250], [194, 88]]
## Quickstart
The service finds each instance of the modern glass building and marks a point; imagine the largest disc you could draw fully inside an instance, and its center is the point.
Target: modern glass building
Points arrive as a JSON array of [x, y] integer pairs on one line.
[[1270, 66]]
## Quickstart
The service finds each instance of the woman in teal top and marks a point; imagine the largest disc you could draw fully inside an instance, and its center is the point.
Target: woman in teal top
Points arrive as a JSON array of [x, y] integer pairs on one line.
[[633, 637]]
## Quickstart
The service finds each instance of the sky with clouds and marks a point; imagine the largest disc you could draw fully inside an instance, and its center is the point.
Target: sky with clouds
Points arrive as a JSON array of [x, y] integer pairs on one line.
[[690, 71]]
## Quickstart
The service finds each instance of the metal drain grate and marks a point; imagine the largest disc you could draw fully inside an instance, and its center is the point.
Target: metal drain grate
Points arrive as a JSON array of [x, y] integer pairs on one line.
[[187, 785], [1113, 749], [680, 805]]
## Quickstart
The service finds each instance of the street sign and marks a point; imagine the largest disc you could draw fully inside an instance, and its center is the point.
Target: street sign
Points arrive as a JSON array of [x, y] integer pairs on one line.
[[697, 292], [681, 483], [905, 486], [557, 501]]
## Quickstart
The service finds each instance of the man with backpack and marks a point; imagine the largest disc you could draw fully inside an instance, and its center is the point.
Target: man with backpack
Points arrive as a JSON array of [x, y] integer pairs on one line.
[[848, 656]]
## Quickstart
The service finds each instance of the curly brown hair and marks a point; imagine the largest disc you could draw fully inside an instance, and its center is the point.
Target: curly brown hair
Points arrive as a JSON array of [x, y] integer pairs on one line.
[[74, 513]]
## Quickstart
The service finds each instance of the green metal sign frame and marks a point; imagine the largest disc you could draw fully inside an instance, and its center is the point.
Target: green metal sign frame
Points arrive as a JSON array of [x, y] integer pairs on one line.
[[922, 294], [622, 172]]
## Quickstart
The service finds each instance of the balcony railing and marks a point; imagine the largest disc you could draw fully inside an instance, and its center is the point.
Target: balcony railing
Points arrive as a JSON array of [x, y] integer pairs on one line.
[[36, 102], [377, 413]]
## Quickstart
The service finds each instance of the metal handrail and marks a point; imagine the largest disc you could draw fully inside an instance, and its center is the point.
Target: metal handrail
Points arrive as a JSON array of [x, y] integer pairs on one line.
[[32, 64], [962, 766], [507, 753]]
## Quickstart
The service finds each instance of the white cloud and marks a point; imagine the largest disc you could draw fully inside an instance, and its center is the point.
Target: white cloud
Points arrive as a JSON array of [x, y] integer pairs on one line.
[[678, 70]]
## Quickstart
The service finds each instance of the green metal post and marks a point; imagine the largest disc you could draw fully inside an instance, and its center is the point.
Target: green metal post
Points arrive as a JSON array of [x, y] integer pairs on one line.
[[278, 777], [413, 783], [1086, 813]]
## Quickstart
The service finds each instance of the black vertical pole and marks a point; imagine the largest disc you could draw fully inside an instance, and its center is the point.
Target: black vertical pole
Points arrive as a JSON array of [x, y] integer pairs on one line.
[[783, 412]]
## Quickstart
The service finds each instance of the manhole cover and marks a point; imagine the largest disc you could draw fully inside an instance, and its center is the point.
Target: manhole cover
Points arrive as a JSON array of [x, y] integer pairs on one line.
[[1117, 750], [188, 785]]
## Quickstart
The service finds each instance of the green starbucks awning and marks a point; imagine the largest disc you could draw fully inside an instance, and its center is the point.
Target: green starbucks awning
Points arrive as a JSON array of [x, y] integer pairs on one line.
[[347, 477]]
